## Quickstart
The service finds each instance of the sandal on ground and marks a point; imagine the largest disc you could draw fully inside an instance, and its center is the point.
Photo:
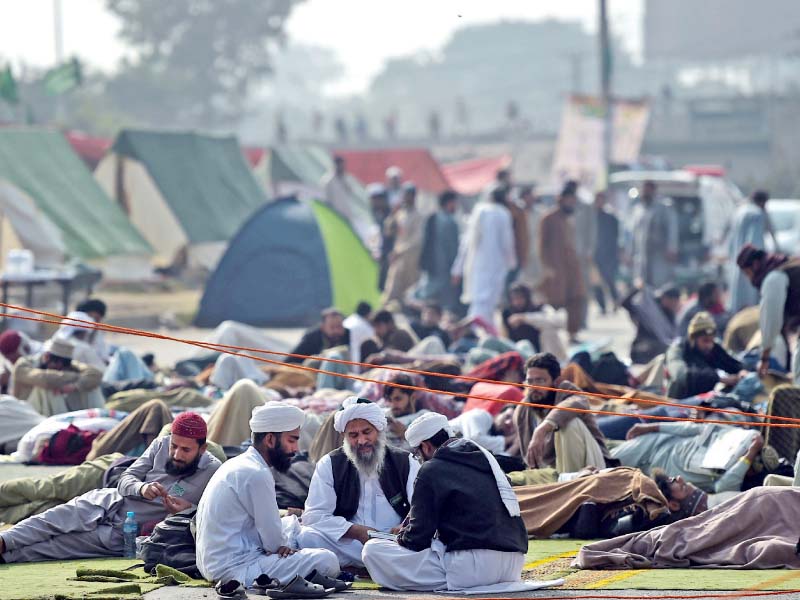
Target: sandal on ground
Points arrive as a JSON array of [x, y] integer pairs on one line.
[[230, 589], [264, 583], [328, 582], [300, 588]]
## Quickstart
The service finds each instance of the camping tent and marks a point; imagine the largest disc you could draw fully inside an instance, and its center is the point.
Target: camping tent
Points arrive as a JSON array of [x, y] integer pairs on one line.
[[471, 177], [288, 262], [91, 149], [417, 164], [186, 193], [51, 205]]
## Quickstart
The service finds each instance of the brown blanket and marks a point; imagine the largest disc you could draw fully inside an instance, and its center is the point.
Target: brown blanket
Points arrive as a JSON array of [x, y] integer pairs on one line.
[[757, 529], [546, 508]]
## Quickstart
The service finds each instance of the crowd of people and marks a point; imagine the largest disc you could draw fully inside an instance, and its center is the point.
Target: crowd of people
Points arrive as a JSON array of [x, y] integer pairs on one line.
[[423, 442]]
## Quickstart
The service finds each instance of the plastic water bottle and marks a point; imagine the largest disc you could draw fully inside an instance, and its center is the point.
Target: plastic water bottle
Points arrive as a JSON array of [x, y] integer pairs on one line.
[[130, 529]]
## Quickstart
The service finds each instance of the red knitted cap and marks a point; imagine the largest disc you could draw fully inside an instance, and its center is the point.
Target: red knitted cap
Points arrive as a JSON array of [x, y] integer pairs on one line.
[[191, 425], [10, 341]]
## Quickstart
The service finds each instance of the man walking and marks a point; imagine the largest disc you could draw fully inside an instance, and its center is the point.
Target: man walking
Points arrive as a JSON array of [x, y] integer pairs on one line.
[[654, 250]]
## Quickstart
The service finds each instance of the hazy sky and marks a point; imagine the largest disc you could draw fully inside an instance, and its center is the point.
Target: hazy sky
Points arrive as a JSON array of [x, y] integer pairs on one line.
[[362, 32]]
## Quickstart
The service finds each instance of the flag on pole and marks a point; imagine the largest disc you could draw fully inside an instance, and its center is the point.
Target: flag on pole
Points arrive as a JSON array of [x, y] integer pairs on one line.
[[8, 86], [63, 78]]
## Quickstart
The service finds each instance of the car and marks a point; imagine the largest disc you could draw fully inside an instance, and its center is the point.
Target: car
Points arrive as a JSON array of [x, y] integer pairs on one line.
[[705, 205], [784, 215]]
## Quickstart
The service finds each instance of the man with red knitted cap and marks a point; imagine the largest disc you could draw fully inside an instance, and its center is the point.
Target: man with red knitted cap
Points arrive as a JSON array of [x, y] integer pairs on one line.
[[13, 346], [168, 478]]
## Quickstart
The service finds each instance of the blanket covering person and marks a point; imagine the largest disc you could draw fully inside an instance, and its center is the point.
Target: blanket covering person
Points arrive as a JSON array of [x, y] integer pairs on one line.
[[240, 535], [546, 508], [464, 529], [169, 473], [753, 530]]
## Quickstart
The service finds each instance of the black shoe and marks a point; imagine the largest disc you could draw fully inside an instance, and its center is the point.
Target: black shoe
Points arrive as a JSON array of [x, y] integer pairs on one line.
[[328, 582], [230, 589]]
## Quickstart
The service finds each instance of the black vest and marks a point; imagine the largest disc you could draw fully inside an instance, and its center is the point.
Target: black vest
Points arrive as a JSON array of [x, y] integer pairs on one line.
[[393, 480]]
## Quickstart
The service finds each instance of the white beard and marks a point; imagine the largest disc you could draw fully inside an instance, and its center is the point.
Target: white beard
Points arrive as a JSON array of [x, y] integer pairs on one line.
[[368, 467]]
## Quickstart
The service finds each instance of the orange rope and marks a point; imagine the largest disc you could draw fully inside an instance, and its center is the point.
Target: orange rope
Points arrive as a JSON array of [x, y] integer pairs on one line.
[[226, 349]]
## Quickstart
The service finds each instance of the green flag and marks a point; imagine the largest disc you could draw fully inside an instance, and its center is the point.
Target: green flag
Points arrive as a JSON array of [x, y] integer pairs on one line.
[[63, 78], [8, 86]]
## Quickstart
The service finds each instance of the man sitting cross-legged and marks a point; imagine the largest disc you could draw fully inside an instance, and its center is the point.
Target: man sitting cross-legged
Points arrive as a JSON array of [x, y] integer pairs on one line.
[[168, 478], [464, 529], [240, 539], [364, 485]]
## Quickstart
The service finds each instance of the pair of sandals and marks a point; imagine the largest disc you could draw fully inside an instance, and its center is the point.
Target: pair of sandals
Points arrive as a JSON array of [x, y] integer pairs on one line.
[[316, 585]]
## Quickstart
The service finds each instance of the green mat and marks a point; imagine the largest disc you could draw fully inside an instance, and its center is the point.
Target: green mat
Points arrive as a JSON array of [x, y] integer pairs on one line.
[[97, 579], [550, 559]]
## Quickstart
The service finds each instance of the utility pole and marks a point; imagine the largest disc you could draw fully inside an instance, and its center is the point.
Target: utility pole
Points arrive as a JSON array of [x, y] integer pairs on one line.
[[58, 37], [605, 87]]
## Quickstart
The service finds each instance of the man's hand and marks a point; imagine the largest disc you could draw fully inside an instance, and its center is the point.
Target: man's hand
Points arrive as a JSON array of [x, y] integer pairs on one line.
[[755, 448], [151, 491], [397, 428], [516, 320], [284, 551], [174, 504], [68, 388], [731, 380], [359, 532], [538, 445], [640, 429], [763, 366], [297, 512]]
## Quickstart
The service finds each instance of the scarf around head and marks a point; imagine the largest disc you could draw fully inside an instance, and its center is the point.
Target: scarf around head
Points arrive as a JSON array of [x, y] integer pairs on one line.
[[770, 263]]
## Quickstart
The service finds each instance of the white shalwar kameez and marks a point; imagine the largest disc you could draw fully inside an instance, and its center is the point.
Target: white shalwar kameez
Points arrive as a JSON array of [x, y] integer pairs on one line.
[[485, 257], [435, 569], [321, 529], [239, 528]]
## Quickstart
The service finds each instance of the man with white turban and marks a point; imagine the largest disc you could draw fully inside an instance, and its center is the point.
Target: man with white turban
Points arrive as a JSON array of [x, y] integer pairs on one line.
[[464, 528], [366, 485], [240, 537]]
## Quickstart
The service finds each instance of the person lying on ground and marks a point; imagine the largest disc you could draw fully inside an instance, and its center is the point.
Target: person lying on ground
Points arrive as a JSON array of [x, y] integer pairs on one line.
[[463, 513], [756, 529], [685, 449], [564, 439], [365, 485], [693, 363], [168, 478]]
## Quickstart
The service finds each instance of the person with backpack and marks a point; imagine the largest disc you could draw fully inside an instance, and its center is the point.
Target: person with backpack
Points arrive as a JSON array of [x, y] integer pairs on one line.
[[168, 478]]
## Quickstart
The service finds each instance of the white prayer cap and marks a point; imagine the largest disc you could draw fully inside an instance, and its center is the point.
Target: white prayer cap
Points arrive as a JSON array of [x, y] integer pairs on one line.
[[72, 325], [276, 417], [394, 172], [375, 189], [359, 408], [425, 427]]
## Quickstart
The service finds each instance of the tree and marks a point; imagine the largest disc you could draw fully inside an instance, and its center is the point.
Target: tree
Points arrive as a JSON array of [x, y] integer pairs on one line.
[[195, 60]]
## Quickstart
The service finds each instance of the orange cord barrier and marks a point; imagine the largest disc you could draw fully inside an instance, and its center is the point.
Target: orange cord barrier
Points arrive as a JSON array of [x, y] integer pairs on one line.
[[226, 349]]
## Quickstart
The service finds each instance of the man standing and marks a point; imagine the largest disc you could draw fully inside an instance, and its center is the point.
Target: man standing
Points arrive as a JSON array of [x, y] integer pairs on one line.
[[750, 225], [562, 280], [777, 276], [464, 529], [54, 384], [365, 485], [239, 532], [654, 250], [339, 191], [564, 439], [606, 252], [406, 229], [693, 363], [439, 251], [529, 274], [330, 333], [486, 256], [168, 478]]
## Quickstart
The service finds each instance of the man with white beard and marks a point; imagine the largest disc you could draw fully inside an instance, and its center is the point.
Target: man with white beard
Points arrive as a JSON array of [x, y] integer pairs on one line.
[[366, 485]]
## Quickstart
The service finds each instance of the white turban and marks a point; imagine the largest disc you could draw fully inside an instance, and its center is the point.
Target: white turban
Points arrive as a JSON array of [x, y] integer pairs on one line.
[[425, 427], [276, 417], [353, 409]]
